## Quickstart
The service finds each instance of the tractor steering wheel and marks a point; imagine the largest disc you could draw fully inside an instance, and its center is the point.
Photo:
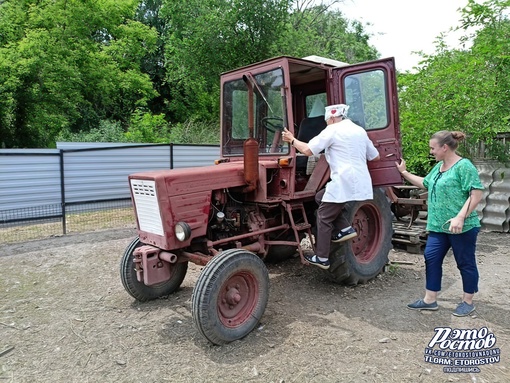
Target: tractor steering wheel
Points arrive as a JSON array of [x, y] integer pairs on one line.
[[272, 124]]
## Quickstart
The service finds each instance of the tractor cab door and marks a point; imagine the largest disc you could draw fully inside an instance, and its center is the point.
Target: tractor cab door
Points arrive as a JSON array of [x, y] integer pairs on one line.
[[370, 89]]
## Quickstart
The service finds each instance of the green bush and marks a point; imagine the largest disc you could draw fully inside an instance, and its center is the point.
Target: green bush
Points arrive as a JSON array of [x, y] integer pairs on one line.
[[108, 131], [195, 132], [148, 128]]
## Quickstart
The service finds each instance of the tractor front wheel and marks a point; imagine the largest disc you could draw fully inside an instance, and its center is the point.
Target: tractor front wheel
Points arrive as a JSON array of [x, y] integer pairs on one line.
[[140, 291], [230, 296]]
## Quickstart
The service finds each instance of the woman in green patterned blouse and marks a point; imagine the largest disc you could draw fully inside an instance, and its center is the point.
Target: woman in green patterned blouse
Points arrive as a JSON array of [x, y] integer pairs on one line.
[[454, 190]]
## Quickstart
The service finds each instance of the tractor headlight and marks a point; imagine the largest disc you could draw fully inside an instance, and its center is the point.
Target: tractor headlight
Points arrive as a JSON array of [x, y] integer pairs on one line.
[[182, 231]]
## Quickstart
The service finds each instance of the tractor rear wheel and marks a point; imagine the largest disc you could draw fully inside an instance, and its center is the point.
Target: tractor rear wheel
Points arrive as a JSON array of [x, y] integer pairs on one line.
[[230, 296], [140, 291], [364, 257]]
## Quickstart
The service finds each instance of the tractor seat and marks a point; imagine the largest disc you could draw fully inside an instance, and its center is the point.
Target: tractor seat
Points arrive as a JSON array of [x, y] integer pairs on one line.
[[308, 129]]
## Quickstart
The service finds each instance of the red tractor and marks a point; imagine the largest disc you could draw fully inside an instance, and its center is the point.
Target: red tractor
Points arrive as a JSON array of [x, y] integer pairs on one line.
[[256, 203]]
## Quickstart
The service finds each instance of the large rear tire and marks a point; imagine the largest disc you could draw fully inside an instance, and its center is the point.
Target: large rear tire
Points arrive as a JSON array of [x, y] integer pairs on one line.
[[139, 290], [230, 296], [364, 257]]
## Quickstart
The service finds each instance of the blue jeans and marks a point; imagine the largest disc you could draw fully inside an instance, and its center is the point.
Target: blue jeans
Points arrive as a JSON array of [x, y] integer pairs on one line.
[[463, 246]]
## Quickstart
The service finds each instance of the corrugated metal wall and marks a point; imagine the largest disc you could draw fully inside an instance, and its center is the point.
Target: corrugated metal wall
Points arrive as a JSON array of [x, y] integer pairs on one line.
[[30, 178], [95, 175], [494, 209], [485, 170], [496, 213]]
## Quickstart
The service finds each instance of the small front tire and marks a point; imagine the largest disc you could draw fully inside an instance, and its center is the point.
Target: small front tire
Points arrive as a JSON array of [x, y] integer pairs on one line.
[[230, 296], [140, 291]]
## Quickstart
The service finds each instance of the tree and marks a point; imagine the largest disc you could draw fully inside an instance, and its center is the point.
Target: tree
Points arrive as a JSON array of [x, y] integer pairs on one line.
[[68, 64], [208, 37], [464, 90], [319, 29], [153, 63], [70, 67]]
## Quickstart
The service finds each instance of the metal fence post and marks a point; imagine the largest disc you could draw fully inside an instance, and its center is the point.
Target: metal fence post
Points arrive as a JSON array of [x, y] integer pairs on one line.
[[62, 192], [171, 155]]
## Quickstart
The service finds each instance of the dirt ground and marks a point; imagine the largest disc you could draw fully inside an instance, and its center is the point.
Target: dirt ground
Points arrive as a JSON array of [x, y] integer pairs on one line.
[[65, 317]]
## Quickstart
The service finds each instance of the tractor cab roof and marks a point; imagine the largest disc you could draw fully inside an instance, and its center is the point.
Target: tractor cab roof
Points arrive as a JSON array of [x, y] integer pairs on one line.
[[301, 70]]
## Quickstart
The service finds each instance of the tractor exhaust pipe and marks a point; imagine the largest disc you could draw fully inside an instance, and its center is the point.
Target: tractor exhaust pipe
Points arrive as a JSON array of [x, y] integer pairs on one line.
[[250, 146], [251, 164]]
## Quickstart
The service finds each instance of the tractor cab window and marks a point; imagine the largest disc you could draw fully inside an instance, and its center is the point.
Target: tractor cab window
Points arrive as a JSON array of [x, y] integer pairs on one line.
[[315, 104], [365, 93], [269, 114]]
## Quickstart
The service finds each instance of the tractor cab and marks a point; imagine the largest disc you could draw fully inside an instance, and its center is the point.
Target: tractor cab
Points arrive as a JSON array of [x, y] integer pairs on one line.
[[259, 100]]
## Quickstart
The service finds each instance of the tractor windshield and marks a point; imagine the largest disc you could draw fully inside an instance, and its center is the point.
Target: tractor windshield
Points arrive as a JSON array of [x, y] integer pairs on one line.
[[269, 115]]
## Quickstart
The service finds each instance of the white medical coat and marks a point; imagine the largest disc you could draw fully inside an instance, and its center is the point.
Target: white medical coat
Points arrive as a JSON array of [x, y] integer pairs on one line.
[[347, 149]]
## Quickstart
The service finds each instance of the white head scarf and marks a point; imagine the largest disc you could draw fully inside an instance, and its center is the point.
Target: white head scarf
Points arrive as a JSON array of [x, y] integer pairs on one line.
[[339, 110]]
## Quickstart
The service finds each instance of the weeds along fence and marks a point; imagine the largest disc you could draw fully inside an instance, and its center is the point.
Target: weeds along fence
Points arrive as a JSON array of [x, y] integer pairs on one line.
[[80, 187]]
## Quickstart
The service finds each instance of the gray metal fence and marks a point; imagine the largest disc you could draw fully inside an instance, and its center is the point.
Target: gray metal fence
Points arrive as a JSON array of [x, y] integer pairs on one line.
[[48, 187], [84, 186]]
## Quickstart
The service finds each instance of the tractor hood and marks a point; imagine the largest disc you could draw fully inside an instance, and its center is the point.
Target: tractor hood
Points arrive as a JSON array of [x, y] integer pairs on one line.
[[165, 197], [192, 180]]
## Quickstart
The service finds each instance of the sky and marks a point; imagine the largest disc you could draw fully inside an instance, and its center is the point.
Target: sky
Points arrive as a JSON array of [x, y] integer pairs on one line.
[[401, 27]]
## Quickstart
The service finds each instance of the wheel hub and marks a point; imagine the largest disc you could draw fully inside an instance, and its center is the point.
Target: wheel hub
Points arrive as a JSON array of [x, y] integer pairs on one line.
[[237, 299], [365, 244], [233, 296]]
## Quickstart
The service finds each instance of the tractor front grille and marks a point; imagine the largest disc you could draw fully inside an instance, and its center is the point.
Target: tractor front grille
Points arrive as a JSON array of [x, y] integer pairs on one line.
[[147, 208]]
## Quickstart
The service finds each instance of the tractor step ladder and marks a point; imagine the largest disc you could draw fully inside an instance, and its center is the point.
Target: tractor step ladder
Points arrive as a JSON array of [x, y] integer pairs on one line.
[[292, 207]]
